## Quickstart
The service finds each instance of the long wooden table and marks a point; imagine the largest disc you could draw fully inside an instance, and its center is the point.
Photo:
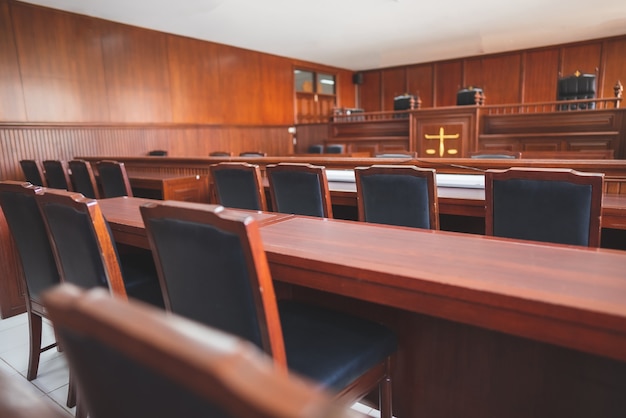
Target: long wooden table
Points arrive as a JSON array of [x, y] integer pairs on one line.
[[488, 327]]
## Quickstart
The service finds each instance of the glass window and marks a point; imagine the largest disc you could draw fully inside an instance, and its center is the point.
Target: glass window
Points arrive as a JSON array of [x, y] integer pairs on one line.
[[304, 81], [325, 83]]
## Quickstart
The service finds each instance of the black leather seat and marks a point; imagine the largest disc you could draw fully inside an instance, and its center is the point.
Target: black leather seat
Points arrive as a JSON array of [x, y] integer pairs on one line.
[[86, 253], [400, 195], [57, 174], [316, 149], [335, 149], [550, 205], [158, 153], [113, 179], [238, 185], [577, 87], [213, 269], [33, 172], [301, 189], [83, 179], [132, 361], [28, 230]]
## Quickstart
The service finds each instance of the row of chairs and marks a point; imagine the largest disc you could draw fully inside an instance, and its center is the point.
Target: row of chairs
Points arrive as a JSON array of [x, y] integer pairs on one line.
[[326, 149], [211, 268], [550, 205], [78, 175]]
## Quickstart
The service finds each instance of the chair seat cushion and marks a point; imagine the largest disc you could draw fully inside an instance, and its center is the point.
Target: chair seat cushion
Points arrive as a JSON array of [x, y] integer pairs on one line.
[[140, 278], [332, 348]]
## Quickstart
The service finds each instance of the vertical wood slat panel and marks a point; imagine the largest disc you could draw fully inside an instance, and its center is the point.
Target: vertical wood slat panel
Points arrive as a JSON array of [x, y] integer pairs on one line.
[[66, 142]]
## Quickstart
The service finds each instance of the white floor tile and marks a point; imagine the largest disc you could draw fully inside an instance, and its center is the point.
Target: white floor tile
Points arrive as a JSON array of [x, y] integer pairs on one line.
[[52, 375], [14, 321], [59, 396], [13, 337]]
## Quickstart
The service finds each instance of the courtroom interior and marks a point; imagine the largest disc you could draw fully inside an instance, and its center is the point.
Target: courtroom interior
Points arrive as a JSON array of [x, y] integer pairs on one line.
[[233, 208]]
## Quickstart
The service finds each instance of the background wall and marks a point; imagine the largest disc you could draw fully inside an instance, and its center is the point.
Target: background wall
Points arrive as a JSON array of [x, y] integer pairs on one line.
[[515, 77]]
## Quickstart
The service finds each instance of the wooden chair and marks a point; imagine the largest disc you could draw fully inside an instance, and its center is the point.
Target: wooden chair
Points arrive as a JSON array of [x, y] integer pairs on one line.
[[113, 179], [158, 153], [301, 189], [335, 149], [253, 154], [238, 185], [398, 154], [134, 361], [83, 179], [213, 269], [220, 154], [316, 149], [57, 174], [86, 254], [33, 172], [400, 195], [28, 230], [550, 205]]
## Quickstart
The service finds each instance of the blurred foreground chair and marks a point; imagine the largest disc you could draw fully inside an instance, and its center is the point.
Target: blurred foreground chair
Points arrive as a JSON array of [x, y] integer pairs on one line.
[[28, 230], [550, 205], [133, 361], [213, 269], [238, 185], [301, 189], [33, 172], [83, 179], [400, 195], [57, 174], [113, 179]]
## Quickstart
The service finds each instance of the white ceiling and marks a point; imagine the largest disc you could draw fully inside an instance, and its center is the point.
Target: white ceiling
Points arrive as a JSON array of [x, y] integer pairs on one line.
[[368, 34]]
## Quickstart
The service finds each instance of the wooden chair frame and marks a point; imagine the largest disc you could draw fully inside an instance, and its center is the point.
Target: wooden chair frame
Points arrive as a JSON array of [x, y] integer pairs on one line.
[[252, 168], [206, 360], [319, 171], [400, 170], [595, 180]]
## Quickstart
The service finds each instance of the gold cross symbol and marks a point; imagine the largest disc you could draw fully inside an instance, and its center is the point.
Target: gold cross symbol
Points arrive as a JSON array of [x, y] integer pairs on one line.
[[441, 137]]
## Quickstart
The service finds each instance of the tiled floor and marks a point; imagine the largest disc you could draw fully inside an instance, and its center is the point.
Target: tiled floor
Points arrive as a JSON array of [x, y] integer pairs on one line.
[[53, 376]]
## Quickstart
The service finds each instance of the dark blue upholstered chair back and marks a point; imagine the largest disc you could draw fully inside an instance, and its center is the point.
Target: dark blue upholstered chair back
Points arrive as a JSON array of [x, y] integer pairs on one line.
[[27, 227], [238, 185], [158, 153], [113, 179], [220, 154], [253, 154], [33, 172], [86, 253], [213, 269], [300, 189], [123, 353], [397, 195], [316, 149], [57, 174], [549, 205], [399, 154], [83, 179], [498, 155], [335, 149]]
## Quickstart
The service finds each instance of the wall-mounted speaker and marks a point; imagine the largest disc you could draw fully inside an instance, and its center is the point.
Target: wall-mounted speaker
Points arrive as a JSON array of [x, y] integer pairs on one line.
[[357, 78]]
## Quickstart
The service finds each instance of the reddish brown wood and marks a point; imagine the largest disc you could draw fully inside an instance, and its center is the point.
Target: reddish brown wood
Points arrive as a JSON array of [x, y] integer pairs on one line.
[[583, 57], [11, 94], [536, 85], [370, 98], [420, 83], [613, 66], [448, 80], [393, 84], [12, 292]]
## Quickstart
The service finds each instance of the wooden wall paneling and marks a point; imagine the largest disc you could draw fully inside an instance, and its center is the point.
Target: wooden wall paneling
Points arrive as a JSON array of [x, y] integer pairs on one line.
[[241, 87], [448, 81], [310, 134], [614, 67], [136, 73], [277, 100], [501, 76], [393, 84], [584, 57], [541, 72], [419, 81], [12, 105], [473, 73], [61, 65], [194, 80], [346, 89], [370, 91]]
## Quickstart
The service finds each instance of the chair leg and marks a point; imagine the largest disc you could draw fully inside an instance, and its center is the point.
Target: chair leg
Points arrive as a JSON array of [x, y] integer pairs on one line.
[[384, 396], [71, 392], [34, 329], [81, 410]]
